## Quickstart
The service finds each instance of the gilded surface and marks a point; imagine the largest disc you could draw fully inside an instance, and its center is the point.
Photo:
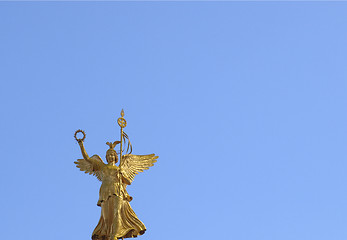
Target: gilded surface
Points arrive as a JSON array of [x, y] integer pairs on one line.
[[118, 220]]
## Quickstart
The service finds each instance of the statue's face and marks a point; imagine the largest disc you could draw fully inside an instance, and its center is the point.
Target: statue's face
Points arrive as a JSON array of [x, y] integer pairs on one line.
[[111, 157]]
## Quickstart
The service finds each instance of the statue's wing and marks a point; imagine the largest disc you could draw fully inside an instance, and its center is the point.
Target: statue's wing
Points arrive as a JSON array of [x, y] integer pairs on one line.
[[93, 166], [133, 164]]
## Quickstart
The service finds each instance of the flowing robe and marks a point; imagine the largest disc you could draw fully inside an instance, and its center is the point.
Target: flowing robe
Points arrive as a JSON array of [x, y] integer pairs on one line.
[[117, 220]]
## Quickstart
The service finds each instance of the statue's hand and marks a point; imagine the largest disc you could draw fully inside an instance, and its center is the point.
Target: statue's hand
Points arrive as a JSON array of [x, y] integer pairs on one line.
[[80, 143], [128, 197]]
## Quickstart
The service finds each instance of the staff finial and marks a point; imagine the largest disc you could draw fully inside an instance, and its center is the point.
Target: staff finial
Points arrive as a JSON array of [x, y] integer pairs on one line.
[[121, 121]]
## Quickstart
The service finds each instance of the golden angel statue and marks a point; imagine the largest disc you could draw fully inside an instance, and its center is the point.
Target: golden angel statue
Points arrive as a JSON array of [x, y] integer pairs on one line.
[[118, 220]]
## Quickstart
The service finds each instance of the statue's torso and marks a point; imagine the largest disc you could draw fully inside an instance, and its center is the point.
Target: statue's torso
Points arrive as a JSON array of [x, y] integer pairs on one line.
[[110, 183]]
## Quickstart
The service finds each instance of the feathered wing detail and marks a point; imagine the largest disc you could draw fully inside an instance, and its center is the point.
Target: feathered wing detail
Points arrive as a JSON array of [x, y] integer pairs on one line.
[[93, 166], [133, 164]]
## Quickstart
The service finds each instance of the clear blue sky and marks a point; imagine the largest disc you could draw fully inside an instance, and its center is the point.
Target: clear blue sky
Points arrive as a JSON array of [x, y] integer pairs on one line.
[[244, 102]]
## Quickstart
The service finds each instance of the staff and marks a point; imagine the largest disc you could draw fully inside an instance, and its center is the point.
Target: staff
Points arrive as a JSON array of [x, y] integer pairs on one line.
[[122, 123]]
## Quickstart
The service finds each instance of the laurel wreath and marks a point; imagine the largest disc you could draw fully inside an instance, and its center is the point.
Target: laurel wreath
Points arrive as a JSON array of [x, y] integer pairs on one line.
[[80, 139]]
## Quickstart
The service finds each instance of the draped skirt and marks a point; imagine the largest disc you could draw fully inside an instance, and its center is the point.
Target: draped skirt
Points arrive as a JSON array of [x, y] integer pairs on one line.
[[117, 221]]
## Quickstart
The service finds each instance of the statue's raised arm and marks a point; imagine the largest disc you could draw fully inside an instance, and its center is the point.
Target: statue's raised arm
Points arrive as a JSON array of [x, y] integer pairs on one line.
[[91, 165]]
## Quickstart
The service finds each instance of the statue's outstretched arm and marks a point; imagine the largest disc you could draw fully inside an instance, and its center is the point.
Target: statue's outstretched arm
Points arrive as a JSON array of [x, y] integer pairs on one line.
[[83, 150]]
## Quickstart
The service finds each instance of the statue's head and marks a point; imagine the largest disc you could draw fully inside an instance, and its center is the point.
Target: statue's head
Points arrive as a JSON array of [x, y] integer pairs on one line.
[[111, 154]]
